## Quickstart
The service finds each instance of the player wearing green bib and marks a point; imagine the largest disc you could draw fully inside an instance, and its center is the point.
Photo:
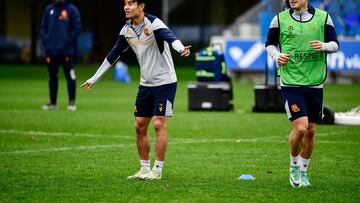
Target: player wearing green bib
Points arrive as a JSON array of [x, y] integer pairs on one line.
[[306, 66], [304, 36]]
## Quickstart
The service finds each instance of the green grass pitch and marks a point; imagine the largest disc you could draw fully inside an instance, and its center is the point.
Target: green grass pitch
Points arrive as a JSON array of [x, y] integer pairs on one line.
[[86, 155]]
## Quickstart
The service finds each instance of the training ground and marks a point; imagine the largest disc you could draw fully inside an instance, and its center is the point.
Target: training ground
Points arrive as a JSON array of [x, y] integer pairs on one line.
[[86, 155]]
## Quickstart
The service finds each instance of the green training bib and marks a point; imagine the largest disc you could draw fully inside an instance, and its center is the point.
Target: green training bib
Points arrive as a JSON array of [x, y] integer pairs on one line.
[[305, 67]]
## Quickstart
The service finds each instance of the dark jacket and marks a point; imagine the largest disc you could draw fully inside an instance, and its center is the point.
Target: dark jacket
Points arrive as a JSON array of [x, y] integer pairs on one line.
[[60, 27]]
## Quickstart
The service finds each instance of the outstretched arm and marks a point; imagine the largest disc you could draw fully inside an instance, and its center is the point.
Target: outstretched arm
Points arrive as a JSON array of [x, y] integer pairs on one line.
[[120, 46], [162, 32], [99, 73]]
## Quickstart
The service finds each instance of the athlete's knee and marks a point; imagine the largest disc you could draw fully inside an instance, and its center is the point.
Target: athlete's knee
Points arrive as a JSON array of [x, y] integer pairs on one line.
[[68, 78], [53, 76], [300, 130], [141, 127], [159, 125], [300, 126], [311, 131], [70, 75]]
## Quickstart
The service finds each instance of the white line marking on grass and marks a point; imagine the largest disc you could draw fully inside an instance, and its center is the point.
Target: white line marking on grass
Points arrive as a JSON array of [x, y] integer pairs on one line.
[[176, 141], [61, 134], [273, 139], [93, 147], [336, 142], [337, 133], [230, 140]]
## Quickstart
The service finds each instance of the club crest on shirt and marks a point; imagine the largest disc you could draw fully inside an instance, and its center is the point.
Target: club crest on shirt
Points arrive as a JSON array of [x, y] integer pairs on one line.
[[161, 107], [64, 15], [147, 31], [295, 108]]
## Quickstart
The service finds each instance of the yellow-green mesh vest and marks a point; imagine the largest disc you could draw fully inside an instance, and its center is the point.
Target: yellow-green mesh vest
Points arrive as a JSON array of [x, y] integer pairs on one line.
[[305, 67]]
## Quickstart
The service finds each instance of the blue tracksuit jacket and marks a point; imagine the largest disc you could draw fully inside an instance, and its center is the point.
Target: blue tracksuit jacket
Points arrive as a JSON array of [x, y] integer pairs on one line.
[[60, 27]]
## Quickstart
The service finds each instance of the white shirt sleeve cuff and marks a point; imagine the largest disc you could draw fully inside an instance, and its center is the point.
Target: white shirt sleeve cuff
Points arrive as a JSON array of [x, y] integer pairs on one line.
[[178, 46], [330, 47], [273, 52]]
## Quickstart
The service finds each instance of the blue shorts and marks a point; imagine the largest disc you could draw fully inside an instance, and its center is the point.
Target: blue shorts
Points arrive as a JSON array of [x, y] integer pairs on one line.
[[303, 101], [155, 101]]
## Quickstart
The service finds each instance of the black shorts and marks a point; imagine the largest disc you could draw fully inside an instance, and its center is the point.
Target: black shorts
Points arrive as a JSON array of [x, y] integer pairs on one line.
[[155, 101], [303, 101]]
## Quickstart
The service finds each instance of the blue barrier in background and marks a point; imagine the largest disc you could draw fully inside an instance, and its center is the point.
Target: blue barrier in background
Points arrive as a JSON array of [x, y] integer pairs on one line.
[[347, 58], [250, 55]]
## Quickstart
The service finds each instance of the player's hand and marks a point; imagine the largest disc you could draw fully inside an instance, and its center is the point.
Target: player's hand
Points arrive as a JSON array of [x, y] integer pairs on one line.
[[283, 59], [316, 45], [186, 51], [87, 85]]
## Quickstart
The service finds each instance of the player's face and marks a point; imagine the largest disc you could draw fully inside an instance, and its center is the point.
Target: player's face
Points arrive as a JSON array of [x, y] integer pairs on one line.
[[132, 9], [299, 4]]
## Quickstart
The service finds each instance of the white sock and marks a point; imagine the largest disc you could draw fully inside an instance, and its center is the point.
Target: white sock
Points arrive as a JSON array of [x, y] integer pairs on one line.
[[145, 165], [158, 166], [294, 160], [304, 163]]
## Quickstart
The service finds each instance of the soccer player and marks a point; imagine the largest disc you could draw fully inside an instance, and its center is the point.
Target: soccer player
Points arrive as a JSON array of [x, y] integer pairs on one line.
[[150, 39], [304, 34], [60, 27]]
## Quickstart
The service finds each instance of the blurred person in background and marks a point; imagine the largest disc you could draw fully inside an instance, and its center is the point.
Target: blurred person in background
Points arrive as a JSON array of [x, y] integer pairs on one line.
[[304, 34], [60, 27], [150, 39]]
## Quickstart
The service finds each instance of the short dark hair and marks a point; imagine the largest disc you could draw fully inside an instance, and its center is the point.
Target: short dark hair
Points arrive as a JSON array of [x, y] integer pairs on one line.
[[287, 3], [141, 1]]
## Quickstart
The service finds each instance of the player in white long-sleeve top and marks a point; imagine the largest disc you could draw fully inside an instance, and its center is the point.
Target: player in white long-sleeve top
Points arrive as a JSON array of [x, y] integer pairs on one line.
[[150, 39]]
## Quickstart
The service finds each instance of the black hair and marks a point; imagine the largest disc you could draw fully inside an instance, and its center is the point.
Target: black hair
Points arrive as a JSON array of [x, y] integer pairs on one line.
[[141, 1], [287, 3]]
